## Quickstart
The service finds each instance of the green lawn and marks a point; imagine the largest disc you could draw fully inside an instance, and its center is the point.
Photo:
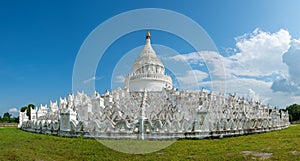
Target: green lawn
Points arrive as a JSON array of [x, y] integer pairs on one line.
[[278, 145]]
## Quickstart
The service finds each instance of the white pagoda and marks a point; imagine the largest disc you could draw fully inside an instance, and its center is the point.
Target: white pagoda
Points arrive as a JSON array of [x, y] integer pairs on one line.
[[148, 72], [148, 107]]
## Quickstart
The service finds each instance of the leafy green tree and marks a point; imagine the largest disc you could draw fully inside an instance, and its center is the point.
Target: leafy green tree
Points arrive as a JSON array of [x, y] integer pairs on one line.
[[294, 112], [6, 117], [14, 119]]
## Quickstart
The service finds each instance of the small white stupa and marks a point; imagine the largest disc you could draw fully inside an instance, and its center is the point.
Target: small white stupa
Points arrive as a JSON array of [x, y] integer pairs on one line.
[[148, 72]]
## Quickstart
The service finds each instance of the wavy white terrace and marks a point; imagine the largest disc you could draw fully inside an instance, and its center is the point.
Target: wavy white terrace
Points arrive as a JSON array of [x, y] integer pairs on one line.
[[148, 107]]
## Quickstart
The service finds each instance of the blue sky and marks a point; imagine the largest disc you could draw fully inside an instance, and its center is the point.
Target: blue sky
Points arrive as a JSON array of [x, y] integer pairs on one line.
[[39, 41]]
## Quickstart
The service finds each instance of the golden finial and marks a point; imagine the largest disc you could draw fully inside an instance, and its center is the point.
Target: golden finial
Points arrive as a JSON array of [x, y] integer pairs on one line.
[[148, 34]]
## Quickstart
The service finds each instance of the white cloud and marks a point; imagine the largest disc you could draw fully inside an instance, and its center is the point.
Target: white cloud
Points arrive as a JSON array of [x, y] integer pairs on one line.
[[213, 61], [292, 58], [91, 79], [13, 110], [192, 79], [260, 53], [120, 79], [285, 85], [192, 58], [215, 64], [290, 83], [260, 58], [260, 90]]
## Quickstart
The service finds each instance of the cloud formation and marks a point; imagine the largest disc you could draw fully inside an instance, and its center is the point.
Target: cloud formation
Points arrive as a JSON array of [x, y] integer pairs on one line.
[[260, 53], [91, 79], [13, 110], [264, 65], [290, 83], [120, 79], [192, 79]]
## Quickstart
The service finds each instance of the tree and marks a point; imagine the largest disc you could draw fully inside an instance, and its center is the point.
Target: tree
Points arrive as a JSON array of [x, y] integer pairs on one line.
[[14, 119], [294, 112], [6, 117]]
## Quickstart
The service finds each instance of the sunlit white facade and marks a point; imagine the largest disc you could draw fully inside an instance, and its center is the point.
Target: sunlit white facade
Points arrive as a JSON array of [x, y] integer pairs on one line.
[[149, 108]]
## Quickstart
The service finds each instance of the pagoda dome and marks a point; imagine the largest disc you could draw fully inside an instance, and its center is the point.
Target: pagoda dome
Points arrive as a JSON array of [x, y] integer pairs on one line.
[[147, 57], [148, 72]]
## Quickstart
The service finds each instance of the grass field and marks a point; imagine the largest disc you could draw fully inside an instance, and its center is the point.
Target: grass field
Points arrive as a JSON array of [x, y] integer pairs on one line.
[[278, 145]]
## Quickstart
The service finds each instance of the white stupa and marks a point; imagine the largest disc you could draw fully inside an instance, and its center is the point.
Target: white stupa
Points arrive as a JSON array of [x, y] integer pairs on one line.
[[148, 72], [149, 108]]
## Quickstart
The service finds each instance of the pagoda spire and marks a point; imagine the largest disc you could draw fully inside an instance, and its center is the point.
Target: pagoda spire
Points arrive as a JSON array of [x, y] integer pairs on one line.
[[148, 35]]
